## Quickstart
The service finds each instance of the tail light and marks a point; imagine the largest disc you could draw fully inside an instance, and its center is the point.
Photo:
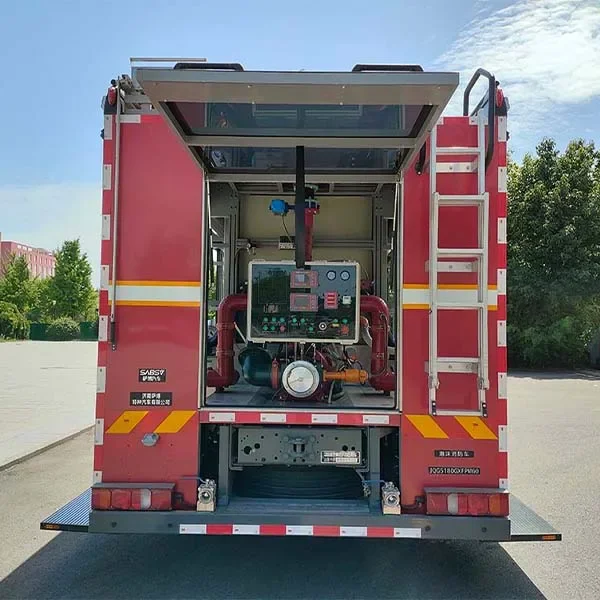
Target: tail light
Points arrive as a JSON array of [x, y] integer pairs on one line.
[[473, 502], [129, 497]]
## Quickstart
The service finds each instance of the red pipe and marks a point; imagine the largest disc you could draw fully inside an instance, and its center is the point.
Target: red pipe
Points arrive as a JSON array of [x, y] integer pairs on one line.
[[225, 374], [309, 220], [379, 313]]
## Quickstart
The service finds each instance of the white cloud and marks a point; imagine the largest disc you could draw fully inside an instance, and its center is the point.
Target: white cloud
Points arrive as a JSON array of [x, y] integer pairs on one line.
[[545, 53], [47, 215]]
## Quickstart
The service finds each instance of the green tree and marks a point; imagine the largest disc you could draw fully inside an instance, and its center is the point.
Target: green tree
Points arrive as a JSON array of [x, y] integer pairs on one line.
[[41, 303], [70, 291], [554, 254], [15, 285]]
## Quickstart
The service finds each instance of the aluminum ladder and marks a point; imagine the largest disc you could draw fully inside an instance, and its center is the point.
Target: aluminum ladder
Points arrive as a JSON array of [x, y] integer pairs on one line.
[[479, 264]]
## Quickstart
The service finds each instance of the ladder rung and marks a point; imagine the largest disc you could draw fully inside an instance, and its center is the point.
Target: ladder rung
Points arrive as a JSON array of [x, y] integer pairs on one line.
[[444, 266], [462, 200], [457, 364], [457, 150], [459, 252], [458, 413], [460, 305]]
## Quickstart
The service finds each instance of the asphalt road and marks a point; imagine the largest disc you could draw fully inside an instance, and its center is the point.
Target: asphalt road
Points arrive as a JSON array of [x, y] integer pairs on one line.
[[555, 468]]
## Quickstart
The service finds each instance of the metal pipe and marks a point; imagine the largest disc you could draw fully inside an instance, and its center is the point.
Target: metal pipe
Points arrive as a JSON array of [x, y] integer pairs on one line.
[[300, 209], [225, 374], [115, 215], [381, 378]]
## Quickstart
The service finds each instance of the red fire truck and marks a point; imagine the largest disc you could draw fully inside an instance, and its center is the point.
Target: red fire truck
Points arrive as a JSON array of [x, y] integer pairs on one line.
[[351, 242]]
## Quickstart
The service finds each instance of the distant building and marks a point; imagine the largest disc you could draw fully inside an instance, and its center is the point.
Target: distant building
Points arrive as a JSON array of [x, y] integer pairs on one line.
[[41, 262]]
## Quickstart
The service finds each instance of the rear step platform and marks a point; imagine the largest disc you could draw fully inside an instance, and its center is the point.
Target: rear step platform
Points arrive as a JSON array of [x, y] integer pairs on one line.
[[73, 516], [523, 524]]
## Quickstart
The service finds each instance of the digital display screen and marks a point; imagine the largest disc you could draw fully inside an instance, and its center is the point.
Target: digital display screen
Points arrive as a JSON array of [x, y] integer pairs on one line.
[[303, 302], [304, 279]]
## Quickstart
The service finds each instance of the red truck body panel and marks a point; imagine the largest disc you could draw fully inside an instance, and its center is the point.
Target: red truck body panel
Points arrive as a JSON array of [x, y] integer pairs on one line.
[[159, 246]]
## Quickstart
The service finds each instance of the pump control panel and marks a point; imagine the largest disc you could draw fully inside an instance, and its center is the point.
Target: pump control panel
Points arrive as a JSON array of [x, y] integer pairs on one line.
[[320, 303]]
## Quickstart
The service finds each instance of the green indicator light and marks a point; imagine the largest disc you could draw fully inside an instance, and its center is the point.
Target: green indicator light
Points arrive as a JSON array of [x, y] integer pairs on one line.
[[272, 328], [274, 319], [282, 319], [302, 320], [294, 320], [265, 319], [344, 321], [335, 320], [265, 327]]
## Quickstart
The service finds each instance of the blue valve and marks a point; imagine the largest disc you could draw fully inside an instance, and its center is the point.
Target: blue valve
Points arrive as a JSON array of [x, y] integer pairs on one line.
[[279, 207]]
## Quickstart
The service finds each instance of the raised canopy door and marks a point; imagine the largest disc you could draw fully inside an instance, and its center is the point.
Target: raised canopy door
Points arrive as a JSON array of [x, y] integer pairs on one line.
[[244, 125]]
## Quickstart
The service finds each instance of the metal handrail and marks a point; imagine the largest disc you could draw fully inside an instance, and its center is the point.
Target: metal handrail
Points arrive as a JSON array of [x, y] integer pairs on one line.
[[206, 66], [491, 100], [361, 68]]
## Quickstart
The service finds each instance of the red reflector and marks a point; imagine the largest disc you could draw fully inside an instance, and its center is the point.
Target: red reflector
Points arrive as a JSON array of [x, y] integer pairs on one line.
[[161, 500], [499, 97], [100, 499], [437, 504], [499, 506], [478, 504], [121, 499]]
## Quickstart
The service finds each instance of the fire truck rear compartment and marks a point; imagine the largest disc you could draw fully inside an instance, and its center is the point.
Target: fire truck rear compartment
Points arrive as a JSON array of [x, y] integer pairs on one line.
[[352, 232]]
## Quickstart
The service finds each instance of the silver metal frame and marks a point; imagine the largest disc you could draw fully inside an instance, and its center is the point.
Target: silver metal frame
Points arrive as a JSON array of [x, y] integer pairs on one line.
[[393, 88], [204, 225], [479, 364], [298, 138], [115, 216]]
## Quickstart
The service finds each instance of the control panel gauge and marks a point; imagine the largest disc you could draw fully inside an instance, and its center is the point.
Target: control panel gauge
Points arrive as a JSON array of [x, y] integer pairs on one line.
[[345, 275], [331, 275]]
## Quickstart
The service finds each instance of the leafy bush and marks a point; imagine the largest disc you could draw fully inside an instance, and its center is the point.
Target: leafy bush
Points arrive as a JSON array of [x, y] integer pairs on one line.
[[13, 325], [554, 256], [63, 328]]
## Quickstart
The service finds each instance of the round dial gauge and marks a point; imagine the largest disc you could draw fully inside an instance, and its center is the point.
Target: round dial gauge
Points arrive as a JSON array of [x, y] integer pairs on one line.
[[300, 379], [345, 275], [331, 275]]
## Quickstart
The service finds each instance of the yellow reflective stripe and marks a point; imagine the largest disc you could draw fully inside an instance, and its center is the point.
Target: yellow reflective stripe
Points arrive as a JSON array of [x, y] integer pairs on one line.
[[175, 421], [127, 421], [476, 428], [427, 426]]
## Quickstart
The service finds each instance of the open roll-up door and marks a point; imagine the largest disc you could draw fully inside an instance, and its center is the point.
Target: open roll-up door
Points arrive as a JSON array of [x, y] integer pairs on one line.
[[245, 125]]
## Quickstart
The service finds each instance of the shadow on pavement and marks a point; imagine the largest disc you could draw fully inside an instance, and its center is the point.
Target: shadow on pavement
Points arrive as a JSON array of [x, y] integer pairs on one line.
[[103, 566]]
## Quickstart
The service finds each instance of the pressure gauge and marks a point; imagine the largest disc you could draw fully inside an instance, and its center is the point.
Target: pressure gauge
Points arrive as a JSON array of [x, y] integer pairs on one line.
[[331, 275], [345, 275], [300, 379]]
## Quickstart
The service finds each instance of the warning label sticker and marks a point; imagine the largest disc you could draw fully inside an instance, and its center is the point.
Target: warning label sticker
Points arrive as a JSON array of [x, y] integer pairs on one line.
[[341, 457], [150, 398], [454, 470], [454, 453], [152, 375]]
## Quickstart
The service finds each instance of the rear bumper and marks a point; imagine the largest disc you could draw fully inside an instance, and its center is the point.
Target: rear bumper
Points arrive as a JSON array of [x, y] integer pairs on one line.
[[277, 518]]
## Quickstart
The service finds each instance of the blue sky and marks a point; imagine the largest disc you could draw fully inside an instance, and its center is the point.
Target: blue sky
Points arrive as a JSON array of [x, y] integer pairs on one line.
[[58, 57]]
